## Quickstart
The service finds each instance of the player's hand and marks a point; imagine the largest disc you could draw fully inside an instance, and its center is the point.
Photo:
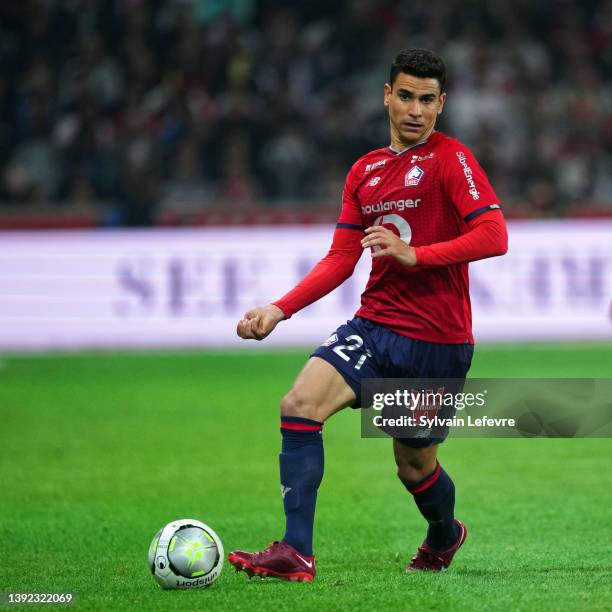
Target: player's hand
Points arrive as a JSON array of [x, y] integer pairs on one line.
[[259, 322], [391, 245]]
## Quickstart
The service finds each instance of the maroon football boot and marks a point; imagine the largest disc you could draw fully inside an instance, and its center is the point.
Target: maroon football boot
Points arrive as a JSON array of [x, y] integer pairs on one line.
[[279, 560], [428, 559]]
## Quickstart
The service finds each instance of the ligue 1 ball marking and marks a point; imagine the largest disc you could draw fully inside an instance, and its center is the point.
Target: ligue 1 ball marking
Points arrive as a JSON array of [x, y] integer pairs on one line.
[[186, 554]]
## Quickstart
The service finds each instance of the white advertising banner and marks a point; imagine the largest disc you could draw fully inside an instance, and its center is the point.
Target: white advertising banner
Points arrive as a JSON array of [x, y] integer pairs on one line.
[[189, 287]]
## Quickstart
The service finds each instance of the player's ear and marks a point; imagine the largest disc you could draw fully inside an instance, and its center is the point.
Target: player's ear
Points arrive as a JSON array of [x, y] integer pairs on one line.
[[388, 90], [442, 101]]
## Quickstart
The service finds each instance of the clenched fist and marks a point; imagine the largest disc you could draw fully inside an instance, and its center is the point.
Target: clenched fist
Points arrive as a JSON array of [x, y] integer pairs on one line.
[[259, 322]]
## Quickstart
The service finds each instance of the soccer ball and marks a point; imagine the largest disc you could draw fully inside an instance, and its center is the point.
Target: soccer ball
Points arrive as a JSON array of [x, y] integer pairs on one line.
[[186, 554]]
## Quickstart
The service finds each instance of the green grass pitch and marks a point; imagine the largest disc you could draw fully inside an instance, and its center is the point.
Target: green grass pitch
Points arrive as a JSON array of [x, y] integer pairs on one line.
[[100, 450]]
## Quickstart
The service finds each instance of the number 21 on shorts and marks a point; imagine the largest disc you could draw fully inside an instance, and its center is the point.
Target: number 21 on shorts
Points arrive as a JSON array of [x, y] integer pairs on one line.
[[353, 343]]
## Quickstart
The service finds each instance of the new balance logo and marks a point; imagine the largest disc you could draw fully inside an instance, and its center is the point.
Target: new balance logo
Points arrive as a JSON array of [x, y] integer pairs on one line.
[[307, 563], [284, 490]]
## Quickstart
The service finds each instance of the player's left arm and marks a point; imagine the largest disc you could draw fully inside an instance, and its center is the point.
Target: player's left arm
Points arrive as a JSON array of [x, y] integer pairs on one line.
[[468, 188], [487, 237]]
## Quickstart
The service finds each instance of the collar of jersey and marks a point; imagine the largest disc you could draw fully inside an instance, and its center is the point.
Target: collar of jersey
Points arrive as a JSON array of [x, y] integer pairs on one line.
[[414, 146]]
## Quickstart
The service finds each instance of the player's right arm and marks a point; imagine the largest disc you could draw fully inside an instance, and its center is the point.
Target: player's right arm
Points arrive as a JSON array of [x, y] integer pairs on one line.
[[329, 273]]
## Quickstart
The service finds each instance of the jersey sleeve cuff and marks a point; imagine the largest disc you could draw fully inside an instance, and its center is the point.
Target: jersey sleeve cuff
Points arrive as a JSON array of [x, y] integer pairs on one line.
[[286, 313]]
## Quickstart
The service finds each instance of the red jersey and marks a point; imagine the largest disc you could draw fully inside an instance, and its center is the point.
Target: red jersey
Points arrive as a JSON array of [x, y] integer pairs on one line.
[[428, 193]]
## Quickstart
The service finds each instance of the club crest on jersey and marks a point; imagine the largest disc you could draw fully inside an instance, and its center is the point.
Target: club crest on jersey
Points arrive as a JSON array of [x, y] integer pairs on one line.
[[413, 176]]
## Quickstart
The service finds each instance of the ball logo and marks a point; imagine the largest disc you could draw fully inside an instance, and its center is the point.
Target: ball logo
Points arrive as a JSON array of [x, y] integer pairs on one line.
[[413, 176]]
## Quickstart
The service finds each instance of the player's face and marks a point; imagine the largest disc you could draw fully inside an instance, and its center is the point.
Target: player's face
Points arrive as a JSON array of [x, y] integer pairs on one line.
[[414, 105]]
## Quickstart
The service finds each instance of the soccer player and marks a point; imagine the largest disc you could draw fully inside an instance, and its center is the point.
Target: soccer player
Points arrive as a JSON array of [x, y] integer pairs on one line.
[[424, 208]]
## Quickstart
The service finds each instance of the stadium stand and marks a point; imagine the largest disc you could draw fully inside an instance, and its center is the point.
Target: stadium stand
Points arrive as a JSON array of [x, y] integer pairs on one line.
[[189, 112]]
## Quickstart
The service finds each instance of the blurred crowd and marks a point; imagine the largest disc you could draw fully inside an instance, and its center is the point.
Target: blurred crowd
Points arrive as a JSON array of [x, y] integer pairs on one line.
[[140, 109]]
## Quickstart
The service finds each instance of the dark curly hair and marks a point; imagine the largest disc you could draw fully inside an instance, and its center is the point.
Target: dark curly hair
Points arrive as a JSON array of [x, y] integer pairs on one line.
[[421, 63]]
